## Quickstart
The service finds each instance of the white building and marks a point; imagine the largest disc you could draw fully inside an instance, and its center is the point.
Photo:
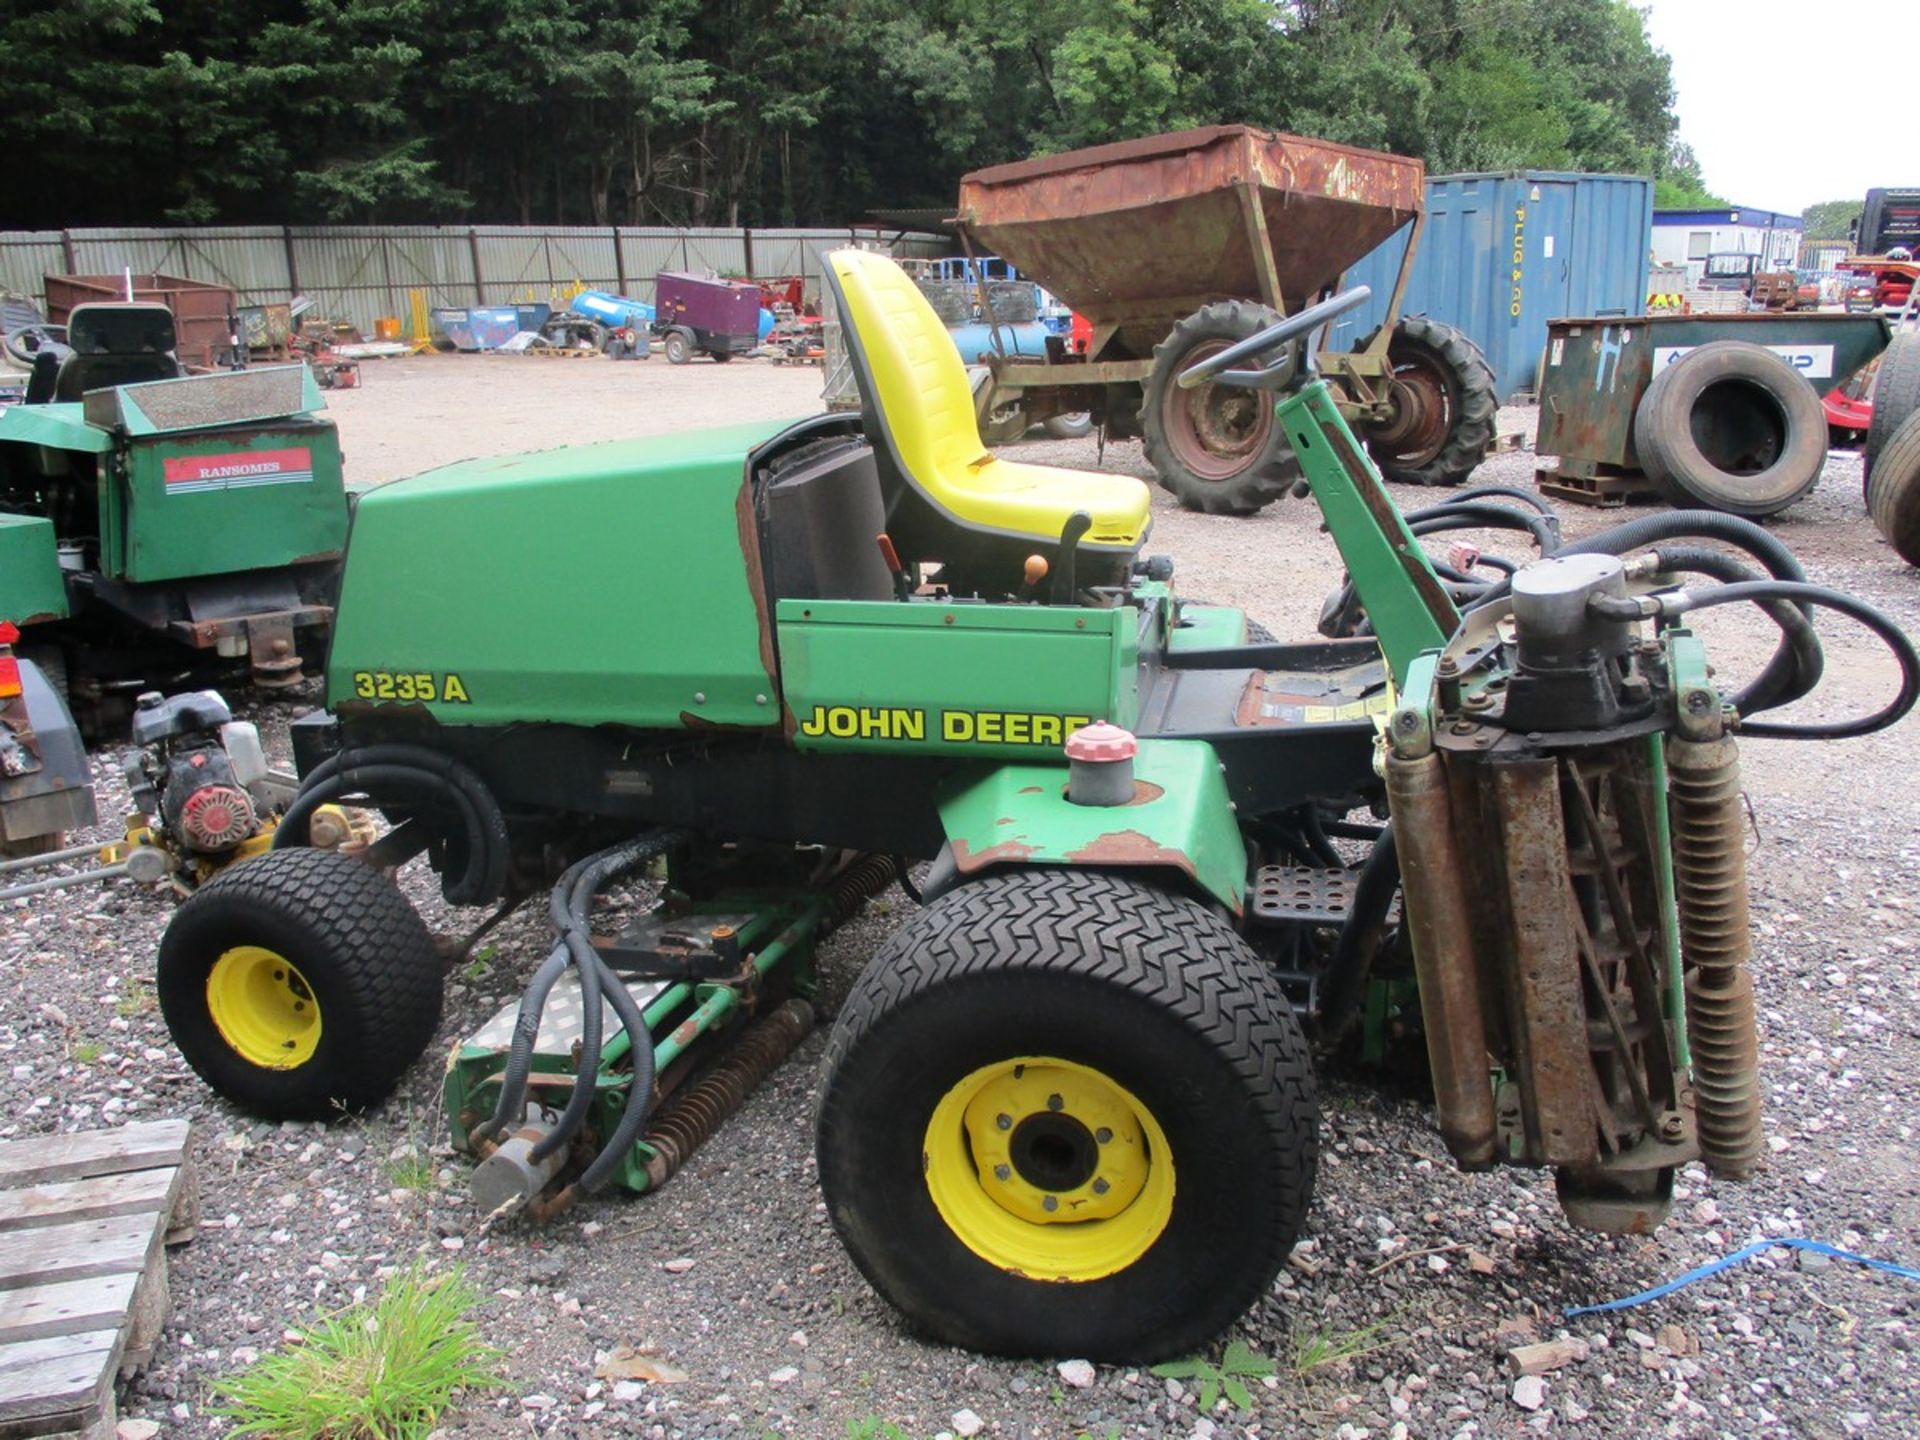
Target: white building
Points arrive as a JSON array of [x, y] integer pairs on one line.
[[1688, 237]]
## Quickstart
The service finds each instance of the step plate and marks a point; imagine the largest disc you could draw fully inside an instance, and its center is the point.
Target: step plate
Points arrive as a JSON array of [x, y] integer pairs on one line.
[[1303, 895]]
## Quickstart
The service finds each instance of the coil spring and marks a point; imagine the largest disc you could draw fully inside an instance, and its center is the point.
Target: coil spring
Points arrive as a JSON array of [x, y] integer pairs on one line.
[[856, 885], [688, 1119], [1710, 886]]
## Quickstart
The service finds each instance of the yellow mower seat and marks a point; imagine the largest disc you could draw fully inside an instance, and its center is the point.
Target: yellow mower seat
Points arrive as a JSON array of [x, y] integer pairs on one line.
[[915, 387]]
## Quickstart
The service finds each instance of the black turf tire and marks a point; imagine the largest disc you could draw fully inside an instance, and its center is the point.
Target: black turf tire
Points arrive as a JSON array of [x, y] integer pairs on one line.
[[1473, 401], [1896, 395], [1671, 455], [367, 956], [1154, 990], [1895, 502], [720, 357], [1268, 471], [679, 348]]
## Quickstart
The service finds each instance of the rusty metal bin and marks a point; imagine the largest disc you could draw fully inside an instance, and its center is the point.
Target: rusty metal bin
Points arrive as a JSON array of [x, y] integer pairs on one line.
[[203, 313], [1596, 371]]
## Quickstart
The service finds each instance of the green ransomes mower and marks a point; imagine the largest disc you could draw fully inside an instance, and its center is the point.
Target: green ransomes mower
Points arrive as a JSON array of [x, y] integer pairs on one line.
[[1068, 1108], [157, 531], [157, 527]]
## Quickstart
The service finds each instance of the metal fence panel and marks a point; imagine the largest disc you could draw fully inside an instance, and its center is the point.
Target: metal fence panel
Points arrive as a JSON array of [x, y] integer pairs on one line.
[[26, 256], [359, 273]]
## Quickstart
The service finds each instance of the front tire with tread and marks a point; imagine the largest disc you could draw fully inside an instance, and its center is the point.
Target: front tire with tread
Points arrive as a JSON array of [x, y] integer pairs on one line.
[[1152, 990], [350, 935]]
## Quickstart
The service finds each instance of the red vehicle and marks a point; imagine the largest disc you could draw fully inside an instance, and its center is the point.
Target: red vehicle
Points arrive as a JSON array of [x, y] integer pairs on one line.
[[1880, 282]]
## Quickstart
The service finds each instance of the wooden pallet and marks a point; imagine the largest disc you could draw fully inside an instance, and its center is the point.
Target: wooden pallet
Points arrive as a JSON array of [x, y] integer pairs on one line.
[[1607, 491], [84, 1225]]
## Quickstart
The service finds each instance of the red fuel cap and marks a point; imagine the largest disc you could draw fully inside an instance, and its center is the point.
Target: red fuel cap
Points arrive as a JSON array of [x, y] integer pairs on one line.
[[1101, 742]]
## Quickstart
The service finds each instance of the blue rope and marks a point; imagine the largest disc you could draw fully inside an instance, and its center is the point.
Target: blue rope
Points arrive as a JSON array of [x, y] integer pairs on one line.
[[1714, 1267]]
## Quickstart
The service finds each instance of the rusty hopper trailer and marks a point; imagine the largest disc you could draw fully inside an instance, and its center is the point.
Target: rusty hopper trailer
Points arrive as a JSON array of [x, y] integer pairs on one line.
[[1177, 246]]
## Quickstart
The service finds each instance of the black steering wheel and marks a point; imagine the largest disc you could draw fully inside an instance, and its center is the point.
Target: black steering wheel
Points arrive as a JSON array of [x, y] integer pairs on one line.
[[29, 340], [1273, 376]]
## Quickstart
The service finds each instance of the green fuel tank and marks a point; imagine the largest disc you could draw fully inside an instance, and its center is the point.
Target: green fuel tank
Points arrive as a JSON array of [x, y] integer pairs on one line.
[[613, 584]]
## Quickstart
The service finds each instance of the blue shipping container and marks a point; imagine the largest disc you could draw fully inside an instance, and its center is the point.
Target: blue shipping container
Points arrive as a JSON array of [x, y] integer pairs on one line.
[[1504, 254]]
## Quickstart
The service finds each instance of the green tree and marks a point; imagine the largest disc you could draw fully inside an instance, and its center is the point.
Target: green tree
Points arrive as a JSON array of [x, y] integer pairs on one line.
[[1831, 219]]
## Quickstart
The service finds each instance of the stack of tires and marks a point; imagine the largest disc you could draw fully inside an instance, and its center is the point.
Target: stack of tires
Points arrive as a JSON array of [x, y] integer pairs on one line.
[[1893, 448], [1730, 426]]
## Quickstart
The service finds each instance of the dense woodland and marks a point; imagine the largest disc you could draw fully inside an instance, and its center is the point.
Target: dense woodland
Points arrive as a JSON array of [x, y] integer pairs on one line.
[[764, 112]]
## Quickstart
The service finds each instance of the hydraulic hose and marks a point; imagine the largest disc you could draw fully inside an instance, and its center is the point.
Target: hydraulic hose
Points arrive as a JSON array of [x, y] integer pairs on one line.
[[1352, 962], [1795, 666], [1881, 625], [587, 1066], [568, 909], [1491, 492], [526, 1029], [639, 1101], [1474, 516], [359, 768]]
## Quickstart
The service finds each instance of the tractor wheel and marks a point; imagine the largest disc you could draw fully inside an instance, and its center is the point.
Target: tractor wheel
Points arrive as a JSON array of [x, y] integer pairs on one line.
[[1731, 427], [679, 348], [1069, 427], [299, 984], [720, 357], [1896, 492], [1065, 1113], [1218, 449], [1445, 406], [1896, 395]]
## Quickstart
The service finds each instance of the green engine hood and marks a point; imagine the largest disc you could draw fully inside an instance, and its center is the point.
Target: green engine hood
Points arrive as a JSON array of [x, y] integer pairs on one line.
[[600, 584]]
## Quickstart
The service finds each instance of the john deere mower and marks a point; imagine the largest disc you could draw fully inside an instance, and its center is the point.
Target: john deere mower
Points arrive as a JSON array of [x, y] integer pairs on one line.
[[723, 687]]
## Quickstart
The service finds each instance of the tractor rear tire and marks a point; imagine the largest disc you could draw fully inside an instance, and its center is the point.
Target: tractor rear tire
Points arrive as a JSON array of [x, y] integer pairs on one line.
[[1896, 395], [1045, 1043], [1441, 372], [1895, 505], [300, 984], [679, 348], [1217, 449], [1730, 426]]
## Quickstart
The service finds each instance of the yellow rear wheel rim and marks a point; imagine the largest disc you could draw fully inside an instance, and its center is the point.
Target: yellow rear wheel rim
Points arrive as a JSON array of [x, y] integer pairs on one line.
[[1049, 1169], [263, 1007]]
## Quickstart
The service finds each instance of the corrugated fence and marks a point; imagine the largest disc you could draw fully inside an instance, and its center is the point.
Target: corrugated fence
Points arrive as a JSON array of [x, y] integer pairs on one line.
[[360, 272]]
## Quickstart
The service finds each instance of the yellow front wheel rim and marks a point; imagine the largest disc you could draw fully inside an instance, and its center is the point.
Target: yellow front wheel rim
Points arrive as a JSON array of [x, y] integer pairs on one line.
[[263, 1007], [1049, 1169]]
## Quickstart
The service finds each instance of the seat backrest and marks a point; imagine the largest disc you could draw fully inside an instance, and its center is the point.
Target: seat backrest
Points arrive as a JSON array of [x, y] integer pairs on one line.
[[913, 387], [116, 344]]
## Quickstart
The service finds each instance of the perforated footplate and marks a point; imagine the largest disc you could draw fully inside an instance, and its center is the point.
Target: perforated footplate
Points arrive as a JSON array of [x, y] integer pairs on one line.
[[1303, 894]]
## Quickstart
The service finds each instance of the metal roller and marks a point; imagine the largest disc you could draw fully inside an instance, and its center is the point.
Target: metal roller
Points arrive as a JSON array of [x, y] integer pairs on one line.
[[1443, 956]]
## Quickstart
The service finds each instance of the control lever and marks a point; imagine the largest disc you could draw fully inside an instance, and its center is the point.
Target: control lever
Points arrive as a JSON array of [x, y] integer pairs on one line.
[[1077, 525]]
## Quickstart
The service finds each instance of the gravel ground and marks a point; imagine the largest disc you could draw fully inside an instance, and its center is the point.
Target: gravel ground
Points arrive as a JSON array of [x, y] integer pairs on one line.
[[732, 1276]]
